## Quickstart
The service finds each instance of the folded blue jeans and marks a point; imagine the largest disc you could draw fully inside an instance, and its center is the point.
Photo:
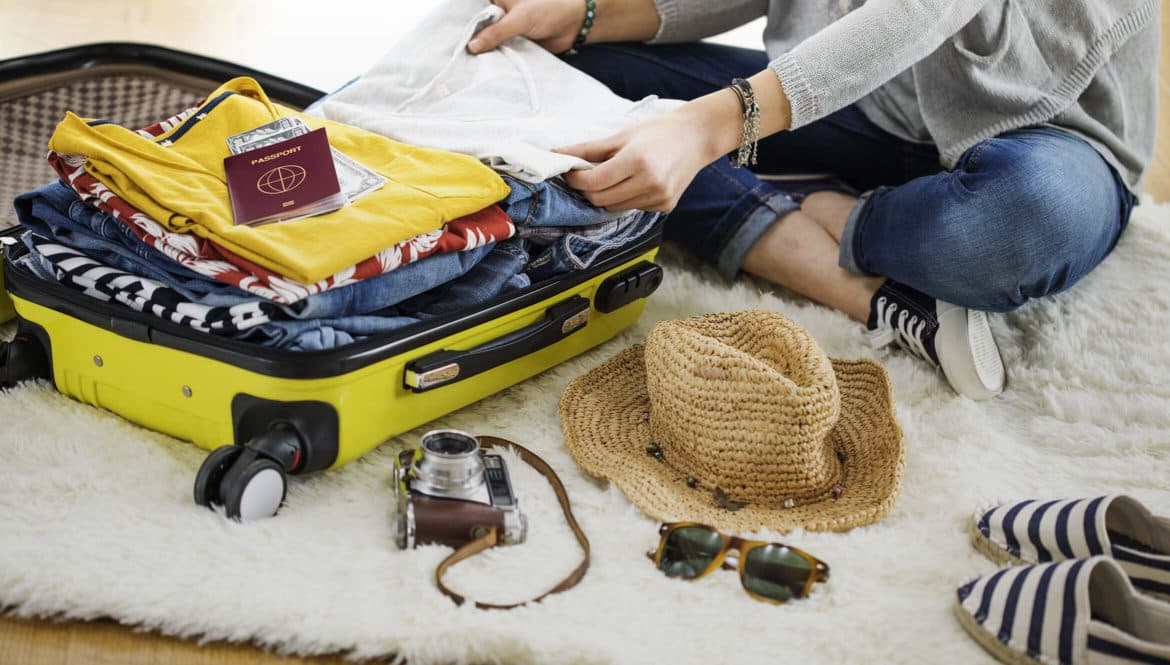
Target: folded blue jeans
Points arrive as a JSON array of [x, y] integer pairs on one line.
[[56, 212], [565, 231], [1021, 215], [263, 322]]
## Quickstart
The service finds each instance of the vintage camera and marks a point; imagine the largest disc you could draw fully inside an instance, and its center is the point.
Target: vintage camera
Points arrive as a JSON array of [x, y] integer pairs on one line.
[[450, 492]]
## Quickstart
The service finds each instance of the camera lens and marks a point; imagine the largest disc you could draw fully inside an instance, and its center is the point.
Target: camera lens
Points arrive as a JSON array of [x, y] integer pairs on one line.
[[450, 466], [450, 443]]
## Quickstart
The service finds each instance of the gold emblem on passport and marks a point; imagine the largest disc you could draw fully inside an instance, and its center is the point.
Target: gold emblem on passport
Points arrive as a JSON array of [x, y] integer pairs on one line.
[[281, 180]]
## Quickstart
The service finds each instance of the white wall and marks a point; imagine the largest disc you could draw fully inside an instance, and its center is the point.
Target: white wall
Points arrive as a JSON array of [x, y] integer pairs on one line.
[[322, 43]]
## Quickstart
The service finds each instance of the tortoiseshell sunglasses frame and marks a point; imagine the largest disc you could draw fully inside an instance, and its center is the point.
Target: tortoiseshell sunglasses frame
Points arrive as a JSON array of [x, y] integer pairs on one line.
[[818, 570]]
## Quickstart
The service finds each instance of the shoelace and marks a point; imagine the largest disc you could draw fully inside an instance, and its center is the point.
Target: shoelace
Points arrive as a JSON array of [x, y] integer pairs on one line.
[[906, 330]]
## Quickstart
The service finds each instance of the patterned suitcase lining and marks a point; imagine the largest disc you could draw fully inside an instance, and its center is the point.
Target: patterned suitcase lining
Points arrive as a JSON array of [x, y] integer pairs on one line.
[[27, 120]]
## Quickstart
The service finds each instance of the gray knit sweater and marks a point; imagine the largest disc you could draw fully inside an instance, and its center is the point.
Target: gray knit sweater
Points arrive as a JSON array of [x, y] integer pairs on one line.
[[956, 72]]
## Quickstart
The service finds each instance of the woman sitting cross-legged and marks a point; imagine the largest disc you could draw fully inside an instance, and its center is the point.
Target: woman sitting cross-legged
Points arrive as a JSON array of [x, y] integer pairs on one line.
[[981, 152]]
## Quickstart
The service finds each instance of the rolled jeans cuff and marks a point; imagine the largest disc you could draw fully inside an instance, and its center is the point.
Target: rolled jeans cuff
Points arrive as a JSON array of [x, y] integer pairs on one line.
[[759, 220], [847, 258]]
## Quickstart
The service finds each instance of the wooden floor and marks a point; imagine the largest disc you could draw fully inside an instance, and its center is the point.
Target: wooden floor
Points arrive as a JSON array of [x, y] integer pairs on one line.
[[267, 35], [25, 642], [1158, 178]]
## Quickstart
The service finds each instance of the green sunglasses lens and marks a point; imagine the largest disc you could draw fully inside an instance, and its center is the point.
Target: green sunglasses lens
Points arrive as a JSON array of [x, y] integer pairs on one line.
[[776, 572], [689, 550]]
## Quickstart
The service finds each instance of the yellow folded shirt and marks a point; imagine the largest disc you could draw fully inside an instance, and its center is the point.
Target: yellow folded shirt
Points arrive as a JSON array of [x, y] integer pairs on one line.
[[178, 179]]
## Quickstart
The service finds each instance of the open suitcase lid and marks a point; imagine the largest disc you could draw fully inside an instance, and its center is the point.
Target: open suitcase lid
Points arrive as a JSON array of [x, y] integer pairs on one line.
[[133, 85]]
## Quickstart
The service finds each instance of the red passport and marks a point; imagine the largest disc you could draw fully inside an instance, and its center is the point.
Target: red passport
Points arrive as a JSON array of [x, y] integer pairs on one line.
[[290, 179]]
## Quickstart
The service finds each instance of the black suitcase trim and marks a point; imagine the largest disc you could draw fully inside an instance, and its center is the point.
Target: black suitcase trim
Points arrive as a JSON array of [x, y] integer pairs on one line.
[[134, 54], [296, 364]]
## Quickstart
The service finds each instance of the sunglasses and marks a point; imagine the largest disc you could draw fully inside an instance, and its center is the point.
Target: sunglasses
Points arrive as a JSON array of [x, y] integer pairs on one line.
[[771, 572]]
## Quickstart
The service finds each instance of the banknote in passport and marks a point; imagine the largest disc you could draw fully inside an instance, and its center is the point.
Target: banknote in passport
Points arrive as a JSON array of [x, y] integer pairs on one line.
[[281, 181], [281, 129], [356, 180]]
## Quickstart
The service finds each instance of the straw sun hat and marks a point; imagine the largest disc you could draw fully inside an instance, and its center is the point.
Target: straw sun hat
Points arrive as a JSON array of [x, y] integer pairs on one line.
[[740, 421]]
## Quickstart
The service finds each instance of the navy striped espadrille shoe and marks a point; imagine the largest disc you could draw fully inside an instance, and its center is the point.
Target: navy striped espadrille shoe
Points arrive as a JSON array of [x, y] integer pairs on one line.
[[1077, 612], [1116, 526]]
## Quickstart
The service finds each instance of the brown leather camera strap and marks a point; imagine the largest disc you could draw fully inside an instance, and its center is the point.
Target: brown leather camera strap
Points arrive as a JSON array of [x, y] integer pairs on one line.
[[491, 538]]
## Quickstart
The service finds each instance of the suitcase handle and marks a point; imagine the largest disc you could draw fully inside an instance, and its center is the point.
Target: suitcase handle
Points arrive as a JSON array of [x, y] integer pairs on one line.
[[443, 367]]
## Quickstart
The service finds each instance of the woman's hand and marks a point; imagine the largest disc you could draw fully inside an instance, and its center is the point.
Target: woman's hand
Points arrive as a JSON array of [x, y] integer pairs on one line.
[[644, 167], [551, 23], [649, 165]]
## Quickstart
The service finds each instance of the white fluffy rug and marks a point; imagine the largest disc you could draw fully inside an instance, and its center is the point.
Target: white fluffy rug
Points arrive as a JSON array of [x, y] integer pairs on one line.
[[96, 517]]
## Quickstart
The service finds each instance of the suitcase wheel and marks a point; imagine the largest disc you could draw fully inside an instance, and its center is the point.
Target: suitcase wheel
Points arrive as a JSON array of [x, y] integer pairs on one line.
[[253, 488], [211, 473], [247, 484], [22, 359]]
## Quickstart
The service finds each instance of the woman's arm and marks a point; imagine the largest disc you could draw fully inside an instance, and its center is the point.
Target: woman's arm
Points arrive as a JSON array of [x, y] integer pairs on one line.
[[649, 165], [554, 23], [692, 20], [861, 51]]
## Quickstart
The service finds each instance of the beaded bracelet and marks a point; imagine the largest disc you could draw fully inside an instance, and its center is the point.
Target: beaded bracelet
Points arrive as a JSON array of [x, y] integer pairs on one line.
[[751, 124], [586, 26]]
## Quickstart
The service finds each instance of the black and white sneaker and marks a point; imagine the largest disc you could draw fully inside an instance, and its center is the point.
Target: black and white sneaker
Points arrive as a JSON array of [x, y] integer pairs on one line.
[[953, 338]]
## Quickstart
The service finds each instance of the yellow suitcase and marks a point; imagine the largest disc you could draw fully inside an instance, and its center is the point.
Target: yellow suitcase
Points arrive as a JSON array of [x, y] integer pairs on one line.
[[265, 412]]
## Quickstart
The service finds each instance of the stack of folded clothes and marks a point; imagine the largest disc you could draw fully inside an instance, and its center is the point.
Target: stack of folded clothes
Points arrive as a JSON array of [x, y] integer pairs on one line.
[[143, 218]]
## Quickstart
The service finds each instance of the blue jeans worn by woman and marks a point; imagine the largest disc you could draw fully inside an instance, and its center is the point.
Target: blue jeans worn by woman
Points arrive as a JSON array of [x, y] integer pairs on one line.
[[1021, 215]]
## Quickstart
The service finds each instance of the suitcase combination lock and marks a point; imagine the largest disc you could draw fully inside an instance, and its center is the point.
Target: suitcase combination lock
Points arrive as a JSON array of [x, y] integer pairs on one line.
[[627, 286]]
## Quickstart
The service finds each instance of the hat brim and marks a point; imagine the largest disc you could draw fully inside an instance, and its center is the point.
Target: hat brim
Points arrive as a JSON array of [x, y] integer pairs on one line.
[[604, 419]]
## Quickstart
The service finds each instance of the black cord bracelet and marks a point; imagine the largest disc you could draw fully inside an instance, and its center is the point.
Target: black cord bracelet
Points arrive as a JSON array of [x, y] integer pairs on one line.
[[746, 155]]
